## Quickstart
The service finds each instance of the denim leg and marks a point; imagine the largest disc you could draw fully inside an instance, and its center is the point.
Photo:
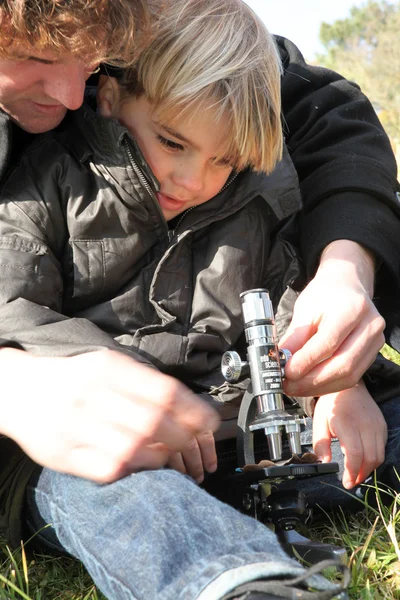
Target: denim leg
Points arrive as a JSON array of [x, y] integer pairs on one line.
[[328, 492], [156, 535]]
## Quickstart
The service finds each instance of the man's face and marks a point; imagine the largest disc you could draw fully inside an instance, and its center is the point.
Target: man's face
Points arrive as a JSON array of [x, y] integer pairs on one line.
[[37, 88]]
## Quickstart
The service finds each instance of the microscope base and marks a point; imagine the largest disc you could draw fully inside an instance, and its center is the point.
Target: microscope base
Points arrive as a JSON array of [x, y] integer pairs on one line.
[[311, 552]]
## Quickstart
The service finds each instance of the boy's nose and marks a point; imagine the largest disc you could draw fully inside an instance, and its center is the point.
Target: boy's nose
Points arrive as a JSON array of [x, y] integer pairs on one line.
[[67, 85], [190, 178]]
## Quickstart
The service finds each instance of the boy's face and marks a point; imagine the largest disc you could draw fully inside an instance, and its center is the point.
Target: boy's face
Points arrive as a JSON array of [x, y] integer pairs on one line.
[[180, 154], [37, 88]]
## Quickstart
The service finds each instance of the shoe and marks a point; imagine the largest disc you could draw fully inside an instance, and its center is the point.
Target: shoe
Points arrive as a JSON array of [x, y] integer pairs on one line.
[[296, 587], [257, 596], [262, 597]]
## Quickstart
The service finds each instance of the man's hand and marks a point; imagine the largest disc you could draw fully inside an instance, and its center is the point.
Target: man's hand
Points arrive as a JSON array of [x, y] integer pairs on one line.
[[198, 456], [100, 415], [356, 420], [336, 330]]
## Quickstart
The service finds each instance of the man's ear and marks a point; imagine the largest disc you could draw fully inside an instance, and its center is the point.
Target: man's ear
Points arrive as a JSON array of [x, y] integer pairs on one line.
[[108, 96]]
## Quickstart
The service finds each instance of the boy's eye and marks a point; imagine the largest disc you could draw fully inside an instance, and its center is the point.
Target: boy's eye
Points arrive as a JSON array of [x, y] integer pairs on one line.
[[224, 163], [169, 143]]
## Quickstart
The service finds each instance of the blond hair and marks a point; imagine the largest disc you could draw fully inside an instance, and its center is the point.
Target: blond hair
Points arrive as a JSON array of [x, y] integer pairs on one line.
[[110, 30], [218, 53]]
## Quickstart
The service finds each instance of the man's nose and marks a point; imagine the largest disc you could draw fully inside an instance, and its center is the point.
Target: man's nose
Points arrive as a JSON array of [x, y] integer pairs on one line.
[[67, 86]]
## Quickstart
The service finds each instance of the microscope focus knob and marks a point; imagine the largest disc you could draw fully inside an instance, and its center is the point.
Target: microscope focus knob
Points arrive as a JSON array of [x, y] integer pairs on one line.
[[232, 366], [284, 356]]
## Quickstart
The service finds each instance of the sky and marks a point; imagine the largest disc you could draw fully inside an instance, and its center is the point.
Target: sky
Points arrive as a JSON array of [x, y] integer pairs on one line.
[[299, 20]]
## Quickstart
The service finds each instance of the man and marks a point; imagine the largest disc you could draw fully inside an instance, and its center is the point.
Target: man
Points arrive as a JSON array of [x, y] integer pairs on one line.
[[151, 414], [45, 62]]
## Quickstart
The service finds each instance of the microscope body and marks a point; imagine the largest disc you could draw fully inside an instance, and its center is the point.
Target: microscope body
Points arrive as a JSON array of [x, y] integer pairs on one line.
[[269, 494], [265, 363]]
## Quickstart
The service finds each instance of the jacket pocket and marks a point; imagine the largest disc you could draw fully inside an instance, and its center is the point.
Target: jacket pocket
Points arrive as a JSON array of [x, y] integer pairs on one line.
[[89, 268], [28, 271], [19, 253]]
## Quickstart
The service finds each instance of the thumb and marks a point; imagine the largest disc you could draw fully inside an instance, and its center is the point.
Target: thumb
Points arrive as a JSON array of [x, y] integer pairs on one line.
[[294, 340], [296, 336], [300, 329]]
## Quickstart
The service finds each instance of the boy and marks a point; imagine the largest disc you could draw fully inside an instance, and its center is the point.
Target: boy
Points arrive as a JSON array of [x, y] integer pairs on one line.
[[196, 140], [168, 109], [104, 255]]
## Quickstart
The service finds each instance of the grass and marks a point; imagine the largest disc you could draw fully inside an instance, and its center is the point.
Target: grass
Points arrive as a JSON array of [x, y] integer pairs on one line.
[[391, 354], [371, 538], [43, 578]]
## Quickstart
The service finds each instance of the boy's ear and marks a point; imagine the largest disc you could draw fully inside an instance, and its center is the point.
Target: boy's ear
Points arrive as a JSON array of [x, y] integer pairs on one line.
[[108, 96]]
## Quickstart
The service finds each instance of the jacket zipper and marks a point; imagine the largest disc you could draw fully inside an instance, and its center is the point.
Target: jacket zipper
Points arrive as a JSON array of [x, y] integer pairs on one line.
[[147, 186], [227, 184], [183, 215]]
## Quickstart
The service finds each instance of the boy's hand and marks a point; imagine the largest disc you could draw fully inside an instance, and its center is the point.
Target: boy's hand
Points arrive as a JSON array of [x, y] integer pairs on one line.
[[197, 457], [356, 420], [336, 330]]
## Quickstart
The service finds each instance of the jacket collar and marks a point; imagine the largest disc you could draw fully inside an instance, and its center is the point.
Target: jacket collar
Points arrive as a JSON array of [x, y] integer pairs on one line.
[[5, 142], [105, 140], [280, 190]]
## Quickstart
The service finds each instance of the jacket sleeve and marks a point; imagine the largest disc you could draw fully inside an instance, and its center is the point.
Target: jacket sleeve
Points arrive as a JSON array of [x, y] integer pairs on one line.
[[228, 260], [33, 233], [231, 257], [345, 164]]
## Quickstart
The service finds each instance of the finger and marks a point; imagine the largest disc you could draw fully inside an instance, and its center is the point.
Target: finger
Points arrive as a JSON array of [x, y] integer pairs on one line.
[[124, 450], [297, 336], [208, 452], [374, 453], [321, 436], [193, 461], [321, 346], [142, 384], [151, 457], [175, 462], [101, 467], [365, 334], [172, 395], [341, 371], [142, 422], [351, 444], [353, 452], [371, 453]]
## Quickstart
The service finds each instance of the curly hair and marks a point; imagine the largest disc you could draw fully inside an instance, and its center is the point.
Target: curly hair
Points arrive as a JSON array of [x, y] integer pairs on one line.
[[107, 30]]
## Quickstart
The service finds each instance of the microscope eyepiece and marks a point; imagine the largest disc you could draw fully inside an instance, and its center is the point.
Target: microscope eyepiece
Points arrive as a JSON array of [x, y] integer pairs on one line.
[[256, 306]]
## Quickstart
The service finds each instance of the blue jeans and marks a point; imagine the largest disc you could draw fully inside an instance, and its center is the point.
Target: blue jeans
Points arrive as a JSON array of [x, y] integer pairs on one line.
[[156, 535]]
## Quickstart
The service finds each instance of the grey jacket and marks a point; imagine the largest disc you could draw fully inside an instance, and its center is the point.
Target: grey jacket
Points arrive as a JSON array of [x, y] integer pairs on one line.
[[88, 261]]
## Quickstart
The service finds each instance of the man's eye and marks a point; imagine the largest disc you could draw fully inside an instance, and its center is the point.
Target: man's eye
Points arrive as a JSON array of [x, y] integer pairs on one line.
[[42, 61], [169, 143]]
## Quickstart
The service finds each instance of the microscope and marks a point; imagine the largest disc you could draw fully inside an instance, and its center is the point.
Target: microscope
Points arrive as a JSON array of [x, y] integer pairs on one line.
[[267, 491]]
